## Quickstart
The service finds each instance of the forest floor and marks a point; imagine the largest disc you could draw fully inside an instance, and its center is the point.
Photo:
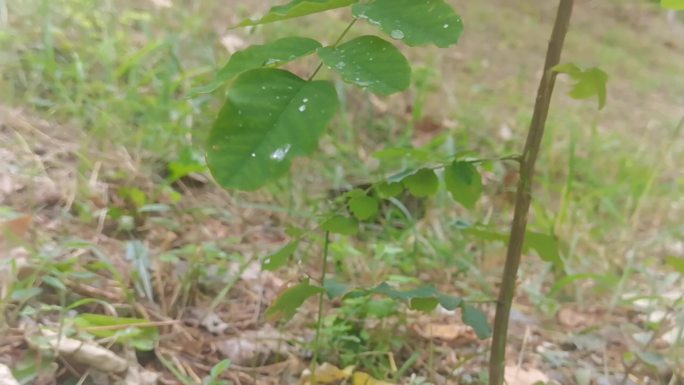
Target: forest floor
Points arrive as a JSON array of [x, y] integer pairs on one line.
[[122, 262]]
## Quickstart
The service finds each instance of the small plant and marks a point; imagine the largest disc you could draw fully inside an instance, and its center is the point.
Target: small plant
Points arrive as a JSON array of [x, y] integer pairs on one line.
[[272, 116]]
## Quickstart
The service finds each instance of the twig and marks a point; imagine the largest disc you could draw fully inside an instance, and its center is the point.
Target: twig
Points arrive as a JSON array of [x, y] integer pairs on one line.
[[497, 359], [321, 299], [339, 39]]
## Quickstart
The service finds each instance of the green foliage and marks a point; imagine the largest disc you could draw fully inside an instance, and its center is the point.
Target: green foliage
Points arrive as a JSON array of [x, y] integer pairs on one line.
[[122, 329], [279, 259], [271, 54], [422, 183], [476, 319], [426, 298], [388, 189], [416, 22], [340, 224], [270, 116], [464, 183], [369, 62], [297, 8], [546, 246], [673, 4], [287, 303], [214, 377], [364, 207], [588, 83]]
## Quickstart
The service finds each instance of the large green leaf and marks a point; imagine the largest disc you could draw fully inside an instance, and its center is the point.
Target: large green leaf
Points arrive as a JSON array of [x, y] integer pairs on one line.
[[364, 207], [545, 245], [588, 83], [369, 62], [673, 4], [287, 303], [423, 183], [270, 116], [463, 182], [416, 22], [278, 259], [272, 54], [297, 8], [339, 224], [476, 319]]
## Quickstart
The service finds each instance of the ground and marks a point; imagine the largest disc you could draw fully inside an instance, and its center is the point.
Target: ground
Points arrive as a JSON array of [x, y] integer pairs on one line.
[[97, 119]]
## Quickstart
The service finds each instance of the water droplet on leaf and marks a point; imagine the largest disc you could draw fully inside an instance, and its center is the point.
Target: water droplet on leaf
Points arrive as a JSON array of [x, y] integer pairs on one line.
[[279, 154], [397, 34]]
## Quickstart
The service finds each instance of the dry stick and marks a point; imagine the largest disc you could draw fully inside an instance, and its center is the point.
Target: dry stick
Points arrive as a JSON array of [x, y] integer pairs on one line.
[[497, 359]]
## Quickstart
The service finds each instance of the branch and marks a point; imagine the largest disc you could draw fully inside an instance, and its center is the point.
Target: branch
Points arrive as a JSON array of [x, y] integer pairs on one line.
[[497, 359]]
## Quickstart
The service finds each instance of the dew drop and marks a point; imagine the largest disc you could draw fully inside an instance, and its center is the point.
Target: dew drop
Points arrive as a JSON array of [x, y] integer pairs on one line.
[[397, 34], [279, 154], [302, 108], [306, 100], [253, 155], [446, 26]]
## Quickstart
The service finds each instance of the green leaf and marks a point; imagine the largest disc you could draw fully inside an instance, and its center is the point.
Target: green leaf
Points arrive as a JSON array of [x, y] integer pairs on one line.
[[588, 83], [369, 62], [270, 116], [676, 262], [545, 245], [287, 303], [388, 189], [364, 207], [416, 22], [216, 372], [673, 4], [339, 224], [424, 304], [272, 54], [449, 302], [424, 298], [141, 337], [422, 183], [297, 8], [463, 182], [334, 289], [278, 259], [477, 320]]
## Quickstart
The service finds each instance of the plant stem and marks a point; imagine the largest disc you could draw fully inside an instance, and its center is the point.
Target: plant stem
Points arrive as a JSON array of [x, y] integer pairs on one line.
[[319, 320], [497, 359], [339, 39]]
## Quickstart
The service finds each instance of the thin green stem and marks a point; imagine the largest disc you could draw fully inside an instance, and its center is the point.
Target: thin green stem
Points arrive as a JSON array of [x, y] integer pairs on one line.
[[319, 320], [497, 358], [339, 39]]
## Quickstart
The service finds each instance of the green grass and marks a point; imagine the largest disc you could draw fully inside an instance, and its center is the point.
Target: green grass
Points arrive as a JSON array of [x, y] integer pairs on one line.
[[609, 183]]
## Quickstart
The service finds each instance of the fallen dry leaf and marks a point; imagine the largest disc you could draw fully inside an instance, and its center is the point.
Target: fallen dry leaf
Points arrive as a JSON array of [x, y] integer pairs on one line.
[[572, 319], [326, 374], [446, 332], [521, 376], [13, 231], [252, 345], [361, 378], [6, 377], [86, 353], [232, 43], [162, 3]]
